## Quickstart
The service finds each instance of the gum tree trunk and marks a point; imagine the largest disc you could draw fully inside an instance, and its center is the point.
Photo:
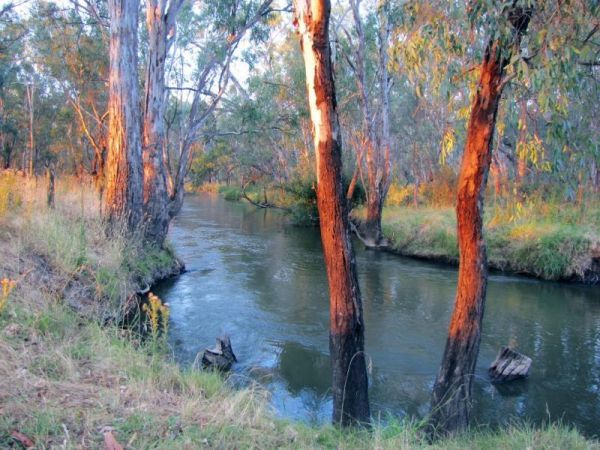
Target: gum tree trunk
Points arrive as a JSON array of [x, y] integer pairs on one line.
[[375, 115], [451, 397], [346, 341], [161, 32], [123, 197]]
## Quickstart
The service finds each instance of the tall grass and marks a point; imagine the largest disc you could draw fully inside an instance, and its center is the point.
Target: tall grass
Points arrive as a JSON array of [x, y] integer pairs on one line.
[[71, 240]]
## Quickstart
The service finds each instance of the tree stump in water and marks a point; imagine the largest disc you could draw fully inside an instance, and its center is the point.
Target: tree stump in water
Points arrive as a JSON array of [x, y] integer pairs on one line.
[[221, 357], [509, 365]]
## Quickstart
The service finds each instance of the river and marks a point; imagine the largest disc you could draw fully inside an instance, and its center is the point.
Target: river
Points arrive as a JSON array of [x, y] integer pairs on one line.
[[262, 282]]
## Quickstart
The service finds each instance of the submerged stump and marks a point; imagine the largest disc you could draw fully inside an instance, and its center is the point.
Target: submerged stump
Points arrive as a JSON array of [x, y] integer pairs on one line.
[[509, 365], [221, 357]]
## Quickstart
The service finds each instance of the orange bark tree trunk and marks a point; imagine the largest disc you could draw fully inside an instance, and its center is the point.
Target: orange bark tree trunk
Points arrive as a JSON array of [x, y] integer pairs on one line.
[[123, 195], [346, 338], [451, 397]]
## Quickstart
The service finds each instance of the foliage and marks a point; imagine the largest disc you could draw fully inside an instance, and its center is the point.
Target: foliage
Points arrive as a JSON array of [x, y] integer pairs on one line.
[[399, 195], [230, 193]]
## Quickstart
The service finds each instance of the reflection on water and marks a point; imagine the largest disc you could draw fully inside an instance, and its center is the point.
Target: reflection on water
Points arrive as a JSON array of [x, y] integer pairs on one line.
[[264, 284]]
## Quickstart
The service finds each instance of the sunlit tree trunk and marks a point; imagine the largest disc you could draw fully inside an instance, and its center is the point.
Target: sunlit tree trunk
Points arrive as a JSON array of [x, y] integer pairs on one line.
[[123, 197], [346, 342], [161, 32], [354, 179], [451, 398]]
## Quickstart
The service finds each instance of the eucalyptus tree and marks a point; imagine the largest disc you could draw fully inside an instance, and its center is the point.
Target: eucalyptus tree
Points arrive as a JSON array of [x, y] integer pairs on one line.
[[374, 99], [11, 43], [262, 121], [123, 198], [164, 176], [451, 397], [544, 129], [71, 50], [346, 335], [224, 26], [508, 25], [161, 17]]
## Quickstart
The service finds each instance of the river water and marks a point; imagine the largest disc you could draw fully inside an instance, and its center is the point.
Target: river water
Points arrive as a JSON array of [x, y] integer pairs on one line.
[[263, 283]]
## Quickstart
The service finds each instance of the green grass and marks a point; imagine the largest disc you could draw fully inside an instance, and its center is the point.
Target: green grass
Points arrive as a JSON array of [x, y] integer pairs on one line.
[[552, 242]]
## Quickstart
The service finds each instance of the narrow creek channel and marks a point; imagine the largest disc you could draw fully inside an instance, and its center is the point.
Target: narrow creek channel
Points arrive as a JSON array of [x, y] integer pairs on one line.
[[263, 283]]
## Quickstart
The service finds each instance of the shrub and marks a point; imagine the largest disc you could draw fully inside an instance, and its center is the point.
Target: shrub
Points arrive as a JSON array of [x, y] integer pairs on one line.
[[399, 195], [441, 190], [230, 193]]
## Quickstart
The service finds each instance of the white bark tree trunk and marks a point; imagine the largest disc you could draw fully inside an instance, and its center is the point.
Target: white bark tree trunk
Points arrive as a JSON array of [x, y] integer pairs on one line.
[[161, 32], [375, 126]]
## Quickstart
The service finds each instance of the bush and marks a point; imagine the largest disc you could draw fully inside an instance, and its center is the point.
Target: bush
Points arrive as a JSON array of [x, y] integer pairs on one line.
[[399, 195], [302, 201], [230, 193], [441, 190]]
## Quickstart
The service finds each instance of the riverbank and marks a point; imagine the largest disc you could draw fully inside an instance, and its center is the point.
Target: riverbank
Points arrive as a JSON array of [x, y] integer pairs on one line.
[[550, 242], [69, 378]]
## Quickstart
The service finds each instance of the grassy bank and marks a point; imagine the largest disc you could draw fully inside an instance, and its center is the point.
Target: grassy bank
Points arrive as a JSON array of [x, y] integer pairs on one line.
[[551, 242], [68, 378]]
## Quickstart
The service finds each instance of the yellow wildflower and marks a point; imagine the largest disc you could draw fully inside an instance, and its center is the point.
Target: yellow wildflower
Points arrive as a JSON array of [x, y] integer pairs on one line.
[[7, 286], [158, 314]]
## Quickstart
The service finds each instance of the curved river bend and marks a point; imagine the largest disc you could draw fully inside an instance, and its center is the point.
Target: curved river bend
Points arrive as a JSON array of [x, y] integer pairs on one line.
[[263, 283]]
